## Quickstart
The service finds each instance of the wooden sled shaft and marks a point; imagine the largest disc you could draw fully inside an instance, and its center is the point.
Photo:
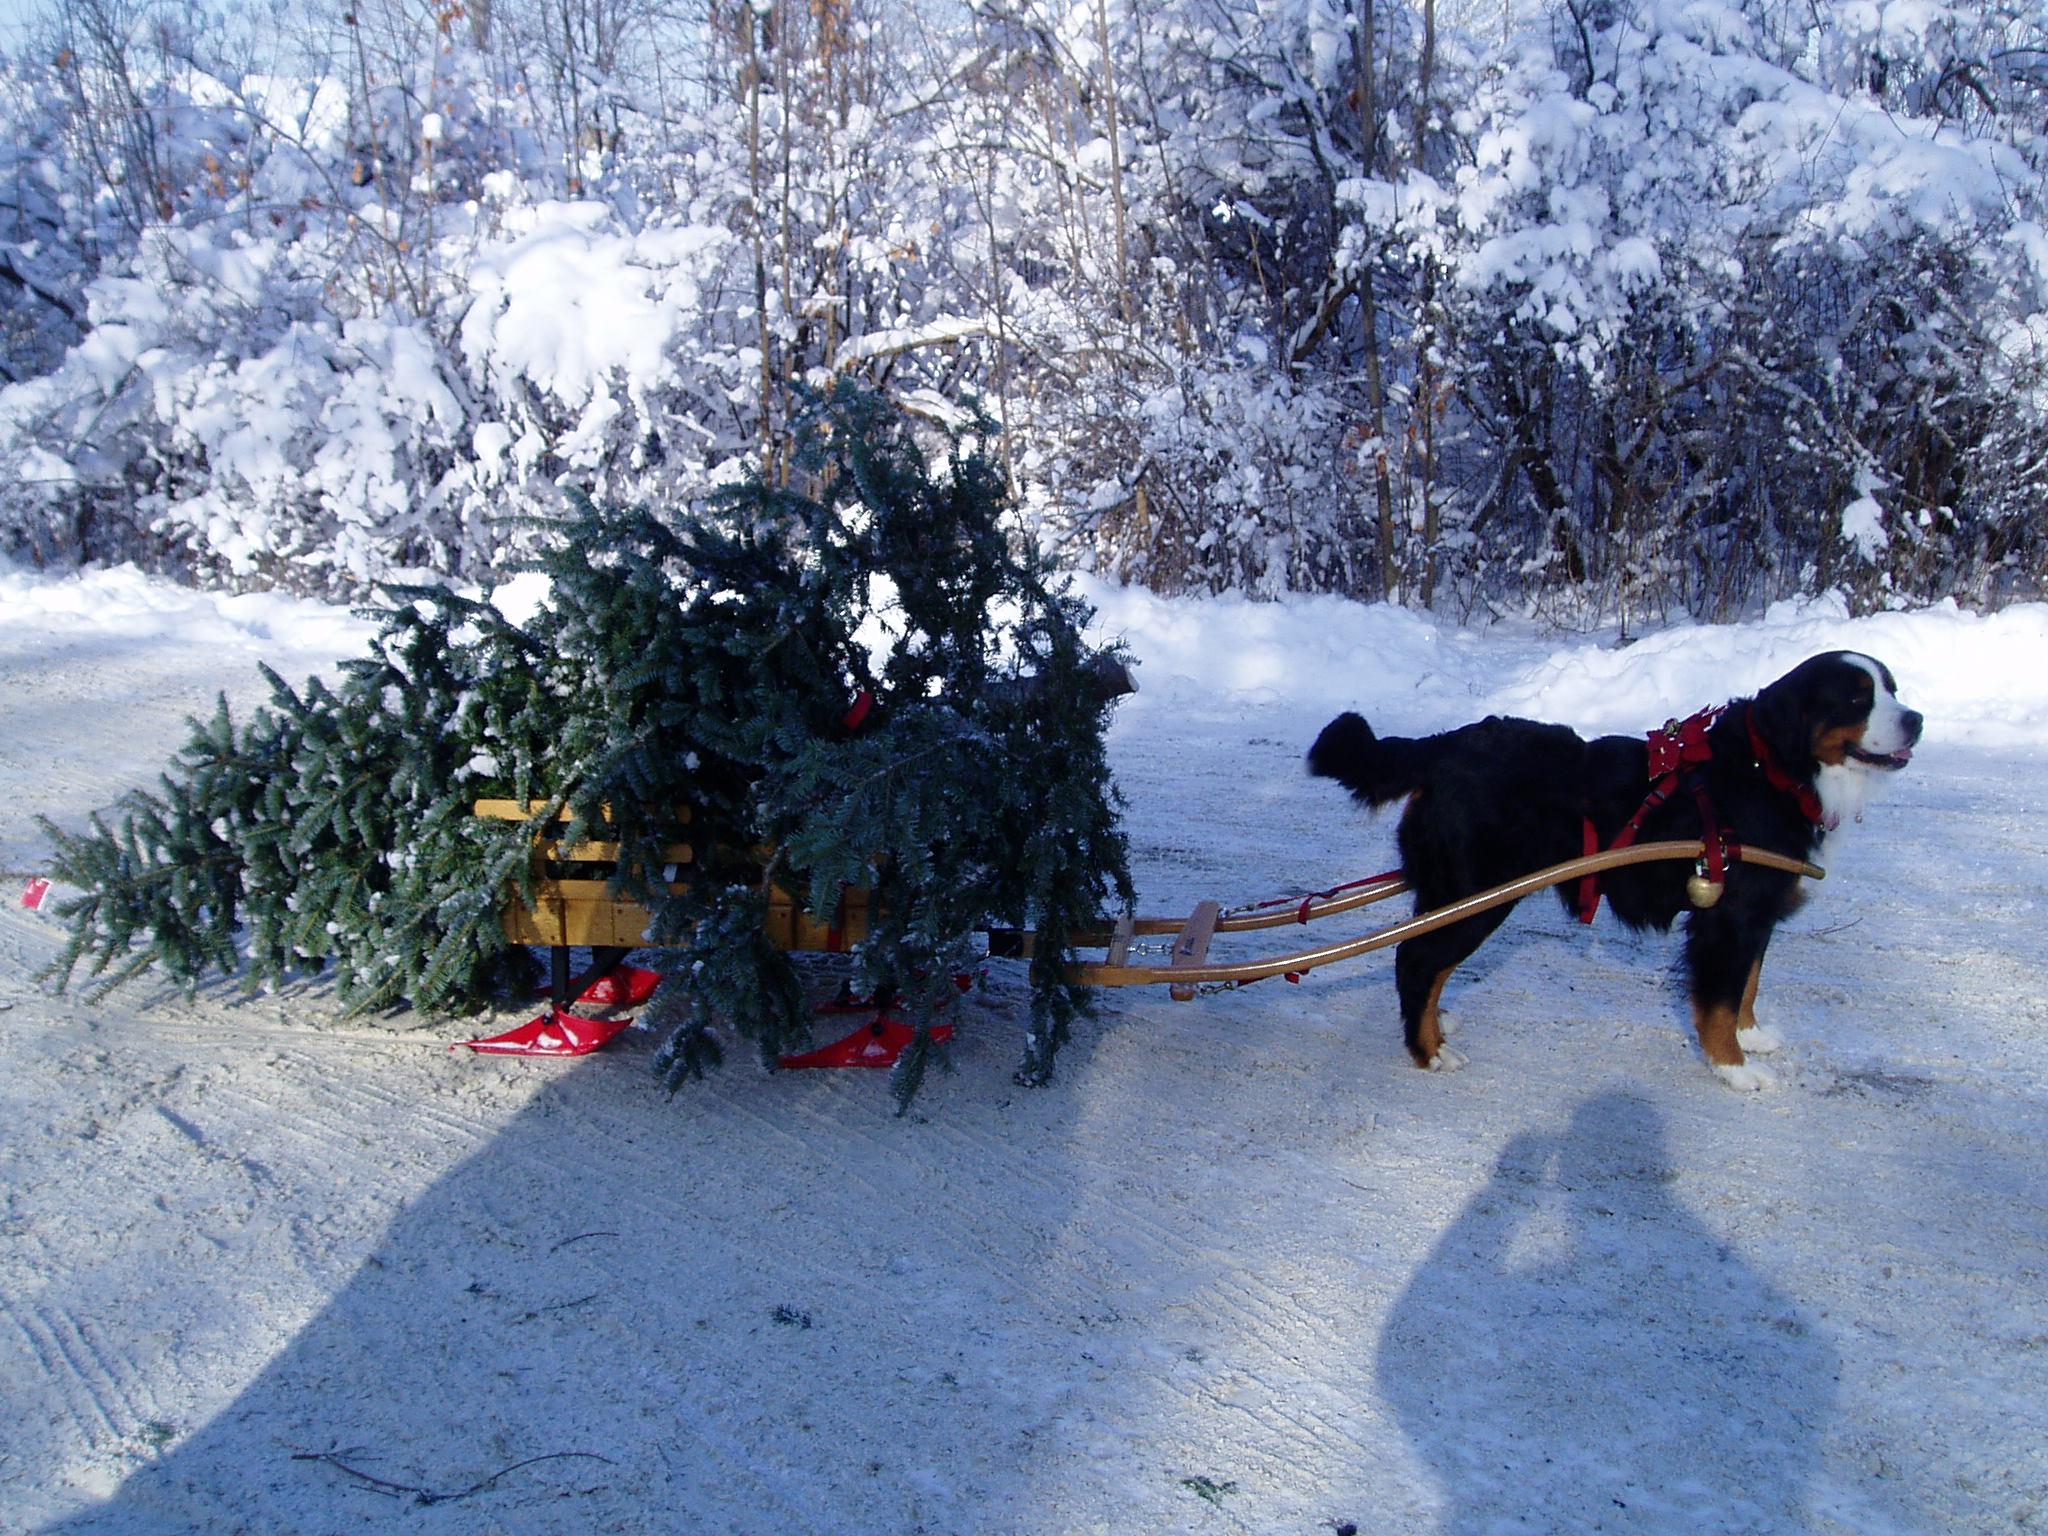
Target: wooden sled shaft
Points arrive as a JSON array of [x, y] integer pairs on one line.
[[1185, 977], [1021, 943]]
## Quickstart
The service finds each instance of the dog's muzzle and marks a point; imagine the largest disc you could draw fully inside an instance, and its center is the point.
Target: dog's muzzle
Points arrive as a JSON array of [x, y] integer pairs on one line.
[[1911, 721]]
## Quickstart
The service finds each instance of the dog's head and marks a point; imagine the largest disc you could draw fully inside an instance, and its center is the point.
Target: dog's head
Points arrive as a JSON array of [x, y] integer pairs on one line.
[[1835, 720]]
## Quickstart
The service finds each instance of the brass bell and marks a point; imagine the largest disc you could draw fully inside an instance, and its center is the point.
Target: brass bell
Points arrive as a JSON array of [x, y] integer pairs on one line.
[[1701, 891]]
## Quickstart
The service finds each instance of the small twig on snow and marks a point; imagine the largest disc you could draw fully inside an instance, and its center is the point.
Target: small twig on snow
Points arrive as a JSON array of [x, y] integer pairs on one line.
[[1821, 933], [560, 1306], [432, 1496]]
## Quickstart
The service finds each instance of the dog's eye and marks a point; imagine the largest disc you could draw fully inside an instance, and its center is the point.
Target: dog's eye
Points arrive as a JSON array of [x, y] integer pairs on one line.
[[1854, 701]]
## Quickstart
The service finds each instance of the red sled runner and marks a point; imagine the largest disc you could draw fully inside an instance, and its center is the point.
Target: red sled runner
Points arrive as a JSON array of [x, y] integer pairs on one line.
[[879, 1042]]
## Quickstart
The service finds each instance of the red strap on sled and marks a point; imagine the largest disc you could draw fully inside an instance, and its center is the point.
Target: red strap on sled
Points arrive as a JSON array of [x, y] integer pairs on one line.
[[1308, 902], [1305, 905]]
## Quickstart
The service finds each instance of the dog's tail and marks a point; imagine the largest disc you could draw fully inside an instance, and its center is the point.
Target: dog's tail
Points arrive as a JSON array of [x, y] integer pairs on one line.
[[1376, 770]]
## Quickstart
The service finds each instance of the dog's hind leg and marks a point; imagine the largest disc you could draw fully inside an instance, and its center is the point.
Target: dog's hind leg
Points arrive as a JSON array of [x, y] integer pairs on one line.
[[1422, 966]]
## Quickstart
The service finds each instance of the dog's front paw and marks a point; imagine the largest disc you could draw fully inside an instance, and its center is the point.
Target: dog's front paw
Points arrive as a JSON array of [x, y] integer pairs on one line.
[[1759, 1040], [1445, 1024], [1446, 1060], [1747, 1078]]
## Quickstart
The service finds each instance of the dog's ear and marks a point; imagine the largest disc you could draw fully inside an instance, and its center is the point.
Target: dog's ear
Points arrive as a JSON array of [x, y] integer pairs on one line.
[[1783, 718]]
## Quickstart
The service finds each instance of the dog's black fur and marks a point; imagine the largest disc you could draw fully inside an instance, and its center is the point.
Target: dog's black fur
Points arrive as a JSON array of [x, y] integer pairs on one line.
[[1491, 802]]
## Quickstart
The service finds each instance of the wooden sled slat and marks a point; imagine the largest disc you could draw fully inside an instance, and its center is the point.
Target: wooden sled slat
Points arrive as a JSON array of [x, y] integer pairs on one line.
[[1120, 940], [605, 853], [1192, 947], [527, 810]]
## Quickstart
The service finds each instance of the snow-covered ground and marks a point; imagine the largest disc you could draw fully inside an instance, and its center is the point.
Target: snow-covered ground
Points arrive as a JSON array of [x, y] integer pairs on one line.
[[1240, 1268]]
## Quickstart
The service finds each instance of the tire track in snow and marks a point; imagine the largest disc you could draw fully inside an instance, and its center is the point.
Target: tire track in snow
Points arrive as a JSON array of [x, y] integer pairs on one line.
[[190, 1029], [1266, 1323], [336, 1145], [359, 1134], [96, 1400]]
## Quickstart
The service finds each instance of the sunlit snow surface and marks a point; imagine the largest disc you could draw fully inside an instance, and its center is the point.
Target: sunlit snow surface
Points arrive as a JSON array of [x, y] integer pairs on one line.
[[1239, 1268]]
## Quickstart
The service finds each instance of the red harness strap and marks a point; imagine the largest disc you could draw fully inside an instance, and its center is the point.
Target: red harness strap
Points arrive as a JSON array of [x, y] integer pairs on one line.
[[1809, 802], [1677, 750]]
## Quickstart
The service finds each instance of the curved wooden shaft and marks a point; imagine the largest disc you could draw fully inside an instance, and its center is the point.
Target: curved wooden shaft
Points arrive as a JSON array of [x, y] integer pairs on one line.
[[1281, 914], [1426, 922], [1291, 913]]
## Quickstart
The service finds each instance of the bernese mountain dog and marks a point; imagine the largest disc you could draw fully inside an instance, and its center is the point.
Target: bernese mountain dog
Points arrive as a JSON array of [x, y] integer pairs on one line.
[[1491, 802]]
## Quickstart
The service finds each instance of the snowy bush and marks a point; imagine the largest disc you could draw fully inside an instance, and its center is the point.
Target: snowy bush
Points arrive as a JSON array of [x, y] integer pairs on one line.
[[1602, 311]]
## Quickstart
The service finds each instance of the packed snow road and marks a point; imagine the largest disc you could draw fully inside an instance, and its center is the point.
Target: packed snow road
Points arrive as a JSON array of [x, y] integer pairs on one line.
[[1240, 1268]]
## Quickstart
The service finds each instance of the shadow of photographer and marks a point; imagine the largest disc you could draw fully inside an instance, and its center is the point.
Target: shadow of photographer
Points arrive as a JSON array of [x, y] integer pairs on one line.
[[1581, 1352]]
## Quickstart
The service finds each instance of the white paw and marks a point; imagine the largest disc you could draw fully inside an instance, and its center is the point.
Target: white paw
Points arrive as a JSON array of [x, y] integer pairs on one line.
[[1446, 1025], [1445, 1060], [1760, 1041], [1747, 1078]]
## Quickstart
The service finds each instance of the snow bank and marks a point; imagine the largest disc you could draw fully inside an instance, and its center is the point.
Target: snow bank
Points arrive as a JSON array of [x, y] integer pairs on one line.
[[121, 603], [1981, 679]]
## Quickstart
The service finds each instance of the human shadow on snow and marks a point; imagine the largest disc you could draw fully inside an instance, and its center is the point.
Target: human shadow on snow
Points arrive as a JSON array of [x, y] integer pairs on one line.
[[1580, 1352]]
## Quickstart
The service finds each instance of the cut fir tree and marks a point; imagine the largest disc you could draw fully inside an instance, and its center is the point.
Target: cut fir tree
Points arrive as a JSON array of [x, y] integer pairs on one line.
[[703, 660]]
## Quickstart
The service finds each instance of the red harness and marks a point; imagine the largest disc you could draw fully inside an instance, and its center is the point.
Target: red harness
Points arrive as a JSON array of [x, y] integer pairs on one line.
[[1809, 802], [1678, 750]]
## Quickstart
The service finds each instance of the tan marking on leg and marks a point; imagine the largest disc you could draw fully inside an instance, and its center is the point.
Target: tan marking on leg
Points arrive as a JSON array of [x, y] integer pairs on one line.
[[1716, 1026], [1745, 1016], [1429, 1034]]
